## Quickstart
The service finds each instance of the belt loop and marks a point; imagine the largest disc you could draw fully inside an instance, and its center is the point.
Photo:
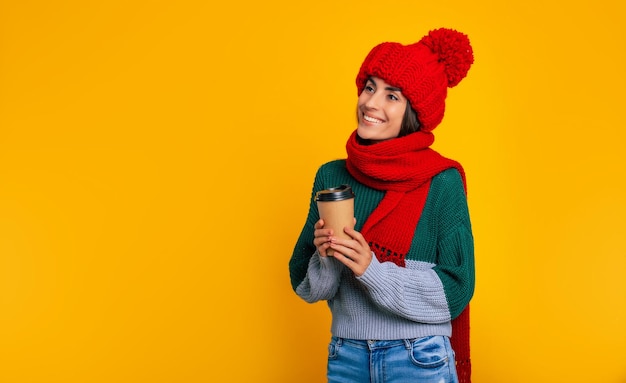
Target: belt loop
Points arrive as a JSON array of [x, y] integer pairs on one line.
[[407, 344], [339, 341]]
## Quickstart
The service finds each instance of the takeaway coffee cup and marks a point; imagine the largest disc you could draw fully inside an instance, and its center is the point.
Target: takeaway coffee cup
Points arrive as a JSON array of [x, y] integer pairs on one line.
[[336, 208]]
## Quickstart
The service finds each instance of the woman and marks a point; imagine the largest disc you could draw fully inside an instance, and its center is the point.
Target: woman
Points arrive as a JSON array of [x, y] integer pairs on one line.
[[406, 273]]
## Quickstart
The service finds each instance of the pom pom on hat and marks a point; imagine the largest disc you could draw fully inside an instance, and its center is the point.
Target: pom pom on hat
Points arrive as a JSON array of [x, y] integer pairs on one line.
[[423, 70], [454, 51]]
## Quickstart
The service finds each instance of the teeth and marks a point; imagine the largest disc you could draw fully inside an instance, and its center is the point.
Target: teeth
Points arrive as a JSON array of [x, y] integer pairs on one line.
[[371, 119]]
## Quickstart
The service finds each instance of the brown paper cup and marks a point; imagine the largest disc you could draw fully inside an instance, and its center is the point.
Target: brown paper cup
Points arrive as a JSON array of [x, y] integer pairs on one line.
[[336, 208]]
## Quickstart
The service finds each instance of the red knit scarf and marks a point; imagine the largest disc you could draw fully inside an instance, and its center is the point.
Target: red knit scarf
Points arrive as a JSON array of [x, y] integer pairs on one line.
[[403, 168]]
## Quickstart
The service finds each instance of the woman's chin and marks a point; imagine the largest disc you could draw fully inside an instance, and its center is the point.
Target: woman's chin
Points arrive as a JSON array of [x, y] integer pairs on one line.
[[365, 133]]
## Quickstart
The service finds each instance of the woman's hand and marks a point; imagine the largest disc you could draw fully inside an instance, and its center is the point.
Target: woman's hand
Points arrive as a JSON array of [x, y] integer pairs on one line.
[[322, 237], [355, 253]]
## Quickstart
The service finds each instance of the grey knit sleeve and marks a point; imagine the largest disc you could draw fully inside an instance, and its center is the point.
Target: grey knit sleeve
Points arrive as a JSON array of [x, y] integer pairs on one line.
[[414, 292], [322, 279]]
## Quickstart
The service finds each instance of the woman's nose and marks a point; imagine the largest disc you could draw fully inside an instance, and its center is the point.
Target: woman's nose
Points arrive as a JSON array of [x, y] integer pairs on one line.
[[374, 101]]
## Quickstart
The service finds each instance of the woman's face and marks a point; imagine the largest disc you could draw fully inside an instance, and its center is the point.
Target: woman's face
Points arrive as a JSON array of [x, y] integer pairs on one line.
[[380, 111]]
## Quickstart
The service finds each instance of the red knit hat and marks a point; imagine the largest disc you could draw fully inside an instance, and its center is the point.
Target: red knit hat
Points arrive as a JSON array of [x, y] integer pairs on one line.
[[423, 70]]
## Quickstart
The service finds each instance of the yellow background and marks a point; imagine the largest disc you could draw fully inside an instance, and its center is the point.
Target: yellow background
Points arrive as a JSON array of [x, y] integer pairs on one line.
[[156, 159]]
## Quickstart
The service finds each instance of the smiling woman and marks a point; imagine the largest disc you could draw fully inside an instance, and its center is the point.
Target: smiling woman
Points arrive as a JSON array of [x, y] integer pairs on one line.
[[403, 278]]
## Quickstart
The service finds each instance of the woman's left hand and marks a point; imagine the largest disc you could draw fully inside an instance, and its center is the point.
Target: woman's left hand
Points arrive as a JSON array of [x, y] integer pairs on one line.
[[355, 253]]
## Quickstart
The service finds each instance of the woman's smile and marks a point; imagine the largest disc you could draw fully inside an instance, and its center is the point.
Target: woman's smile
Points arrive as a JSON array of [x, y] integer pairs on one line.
[[373, 120]]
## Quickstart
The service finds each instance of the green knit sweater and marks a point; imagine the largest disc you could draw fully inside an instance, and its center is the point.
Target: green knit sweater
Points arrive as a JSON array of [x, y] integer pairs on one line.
[[389, 301]]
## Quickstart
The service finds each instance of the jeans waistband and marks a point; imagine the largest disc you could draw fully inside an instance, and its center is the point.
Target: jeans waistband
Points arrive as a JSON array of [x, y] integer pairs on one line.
[[374, 343]]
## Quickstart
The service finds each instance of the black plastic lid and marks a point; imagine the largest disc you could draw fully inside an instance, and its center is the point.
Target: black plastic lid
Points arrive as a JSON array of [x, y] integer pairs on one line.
[[339, 193]]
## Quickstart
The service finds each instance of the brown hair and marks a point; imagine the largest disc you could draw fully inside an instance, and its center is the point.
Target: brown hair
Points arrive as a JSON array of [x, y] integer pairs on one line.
[[410, 122]]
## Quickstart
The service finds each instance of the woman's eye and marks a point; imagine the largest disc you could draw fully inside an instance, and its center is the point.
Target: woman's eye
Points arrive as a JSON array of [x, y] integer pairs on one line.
[[393, 97], [369, 88]]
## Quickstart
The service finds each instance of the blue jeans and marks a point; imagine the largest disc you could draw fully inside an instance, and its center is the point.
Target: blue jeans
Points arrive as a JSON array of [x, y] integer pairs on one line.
[[422, 360]]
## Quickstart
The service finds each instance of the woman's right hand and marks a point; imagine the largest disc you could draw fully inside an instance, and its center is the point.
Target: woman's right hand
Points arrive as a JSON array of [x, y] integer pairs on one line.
[[322, 237]]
